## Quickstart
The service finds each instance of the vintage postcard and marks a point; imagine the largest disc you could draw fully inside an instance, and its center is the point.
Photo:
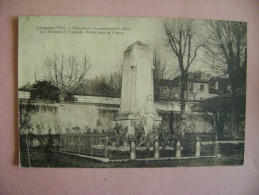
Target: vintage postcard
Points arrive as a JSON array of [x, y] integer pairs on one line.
[[131, 92]]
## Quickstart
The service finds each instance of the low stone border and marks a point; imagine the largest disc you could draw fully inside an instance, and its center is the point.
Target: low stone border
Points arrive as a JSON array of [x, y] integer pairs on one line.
[[141, 159], [164, 158], [87, 156]]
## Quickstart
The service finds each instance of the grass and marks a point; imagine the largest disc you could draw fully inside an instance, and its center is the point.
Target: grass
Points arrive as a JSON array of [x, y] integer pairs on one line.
[[231, 155]]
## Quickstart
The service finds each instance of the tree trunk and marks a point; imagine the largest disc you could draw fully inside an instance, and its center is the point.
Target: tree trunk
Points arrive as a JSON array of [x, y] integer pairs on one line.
[[28, 150], [220, 121], [233, 119], [182, 94]]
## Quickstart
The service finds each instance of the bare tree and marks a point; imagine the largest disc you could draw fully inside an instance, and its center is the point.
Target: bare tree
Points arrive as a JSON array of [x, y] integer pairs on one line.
[[226, 53], [159, 73], [66, 72], [108, 85], [226, 50], [184, 43], [115, 80]]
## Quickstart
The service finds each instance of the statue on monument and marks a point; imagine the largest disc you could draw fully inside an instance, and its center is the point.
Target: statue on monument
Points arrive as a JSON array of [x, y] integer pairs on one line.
[[148, 114]]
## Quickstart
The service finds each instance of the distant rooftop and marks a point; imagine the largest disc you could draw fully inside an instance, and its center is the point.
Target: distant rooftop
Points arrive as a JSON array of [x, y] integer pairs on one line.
[[196, 77], [214, 79]]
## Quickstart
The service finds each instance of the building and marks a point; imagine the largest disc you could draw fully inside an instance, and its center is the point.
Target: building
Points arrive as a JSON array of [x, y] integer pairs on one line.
[[219, 85], [197, 87]]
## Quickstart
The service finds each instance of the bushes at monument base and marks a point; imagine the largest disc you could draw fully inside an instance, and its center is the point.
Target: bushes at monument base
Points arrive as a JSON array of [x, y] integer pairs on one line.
[[167, 141], [162, 135], [118, 136]]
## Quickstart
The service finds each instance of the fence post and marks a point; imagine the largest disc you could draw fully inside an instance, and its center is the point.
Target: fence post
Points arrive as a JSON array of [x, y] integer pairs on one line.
[[156, 150], [59, 143], [132, 150], [198, 149], [106, 149], [216, 145], [178, 150], [65, 142], [77, 143]]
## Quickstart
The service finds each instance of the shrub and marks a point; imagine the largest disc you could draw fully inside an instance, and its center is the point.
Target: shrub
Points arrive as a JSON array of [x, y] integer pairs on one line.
[[117, 135], [163, 136], [139, 133]]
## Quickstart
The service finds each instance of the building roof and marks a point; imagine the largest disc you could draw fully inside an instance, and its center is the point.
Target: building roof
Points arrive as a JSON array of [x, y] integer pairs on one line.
[[215, 91], [198, 77], [194, 77], [214, 79], [221, 103], [197, 80]]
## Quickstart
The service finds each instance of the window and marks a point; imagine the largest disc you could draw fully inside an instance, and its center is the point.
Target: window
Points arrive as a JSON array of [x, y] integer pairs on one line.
[[201, 87]]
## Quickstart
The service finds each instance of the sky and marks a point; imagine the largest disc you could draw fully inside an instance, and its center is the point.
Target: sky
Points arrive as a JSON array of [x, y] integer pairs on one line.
[[104, 50], [74, 36]]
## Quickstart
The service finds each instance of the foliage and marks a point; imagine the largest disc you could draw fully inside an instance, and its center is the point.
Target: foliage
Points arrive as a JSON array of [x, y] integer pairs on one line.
[[25, 124], [117, 135], [26, 87], [106, 85], [139, 133], [68, 97], [25, 112], [103, 88], [45, 90], [153, 136], [163, 136]]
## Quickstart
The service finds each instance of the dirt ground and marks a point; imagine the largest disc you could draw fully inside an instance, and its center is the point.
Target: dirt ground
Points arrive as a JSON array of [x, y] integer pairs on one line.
[[230, 156]]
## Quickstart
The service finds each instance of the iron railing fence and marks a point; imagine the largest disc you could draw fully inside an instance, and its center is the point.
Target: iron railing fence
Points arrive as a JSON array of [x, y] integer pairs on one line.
[[208, 143], [90, 144]]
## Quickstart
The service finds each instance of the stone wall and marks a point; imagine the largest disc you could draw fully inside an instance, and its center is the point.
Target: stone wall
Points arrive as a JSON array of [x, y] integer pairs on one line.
[[193, 122], [59, 117]]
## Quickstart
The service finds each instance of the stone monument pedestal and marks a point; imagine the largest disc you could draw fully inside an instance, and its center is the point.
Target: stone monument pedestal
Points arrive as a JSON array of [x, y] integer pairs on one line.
[[137, 85]]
